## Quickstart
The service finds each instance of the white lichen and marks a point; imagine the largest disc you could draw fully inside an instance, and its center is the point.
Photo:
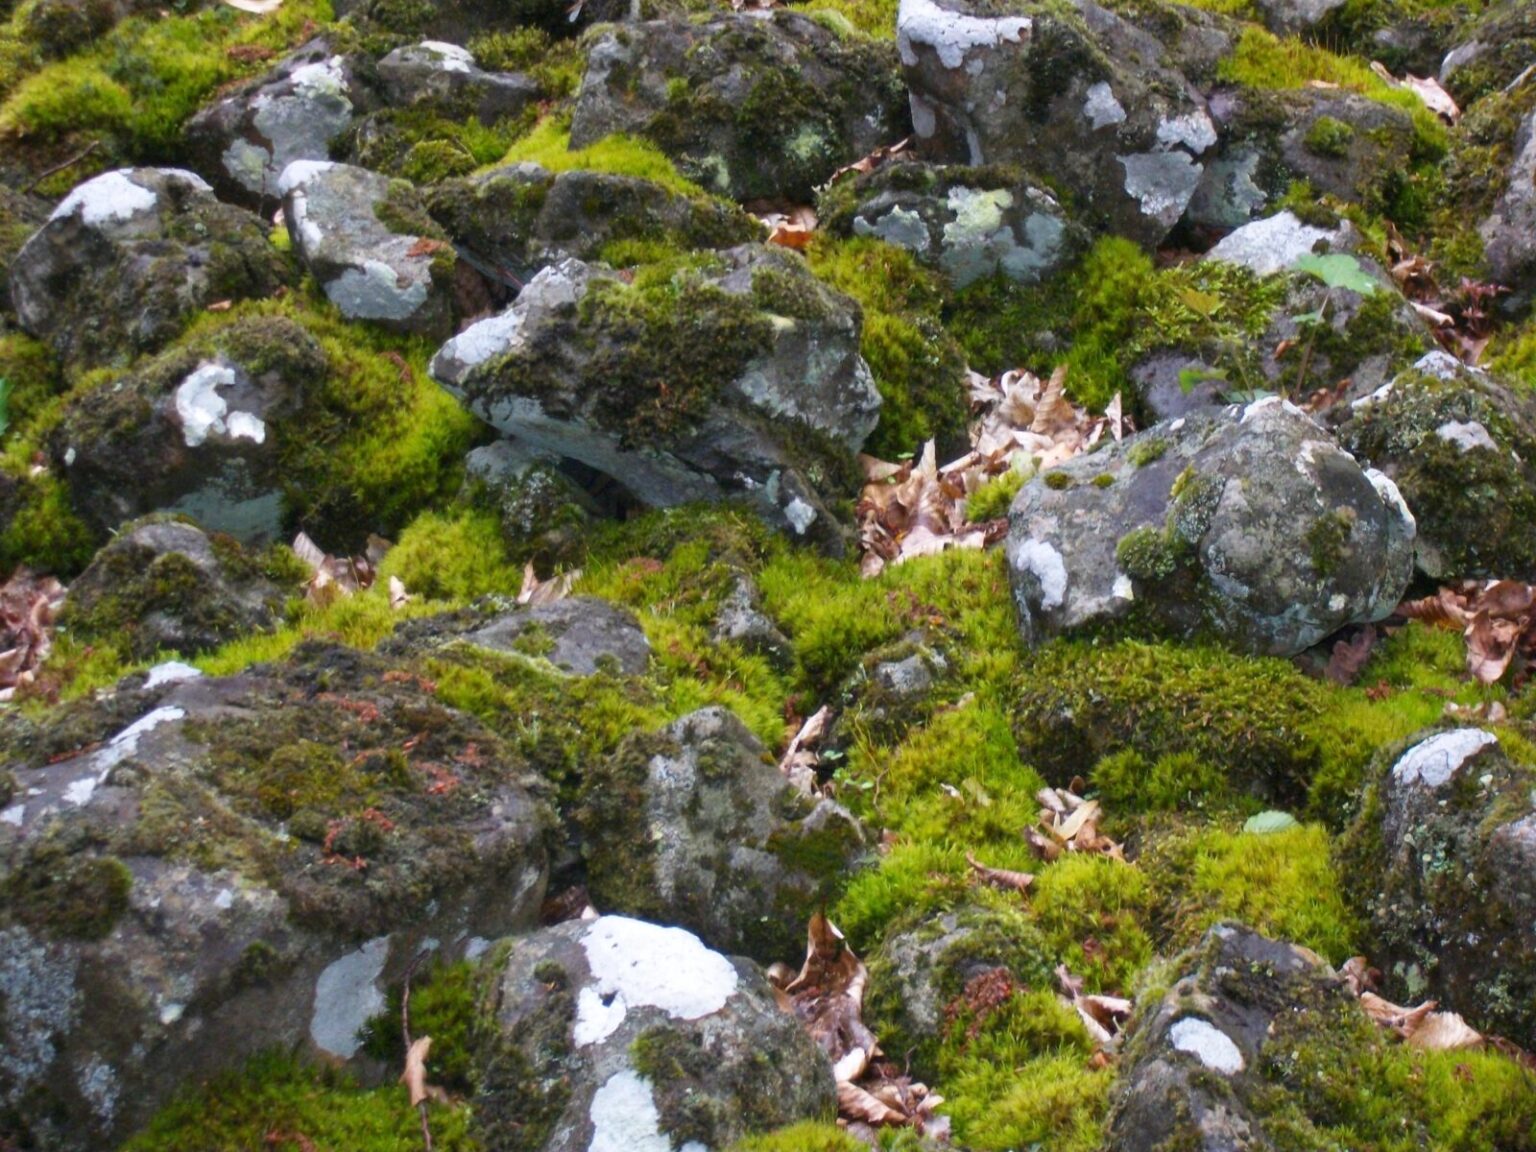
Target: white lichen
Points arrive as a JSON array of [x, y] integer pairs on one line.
[[1208, 1044], [1101, 108], [639, 965], [951, 35], [1432, 763], [110, 196], [203, 412], [625, 1119], [346, 994], [1048, 568]]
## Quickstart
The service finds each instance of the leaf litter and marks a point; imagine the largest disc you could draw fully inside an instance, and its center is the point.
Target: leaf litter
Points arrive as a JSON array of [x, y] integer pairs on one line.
[[1496, 620], [28, 605]]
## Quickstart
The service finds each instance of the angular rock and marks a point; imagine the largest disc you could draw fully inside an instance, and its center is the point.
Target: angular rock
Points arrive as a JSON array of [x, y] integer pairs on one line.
[[128, 256], [740, 620], [370, 244], [969, 223], [738, 374], [165, 585], [618, 1034], [697, 826], [1461, 447], [1074, 92], [190, 870], [1250, 526], [1447, 847], [1293, 17], [580, 635], [242, 142], [511, 223], [749, 107], [1509, 230], [445, 75], [541, 508], [195, 431], [1274, 244]]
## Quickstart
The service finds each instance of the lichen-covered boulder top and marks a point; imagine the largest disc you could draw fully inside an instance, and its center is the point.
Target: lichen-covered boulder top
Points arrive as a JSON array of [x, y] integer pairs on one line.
[[1449, 841], [435, 73], [127, 257], [750, 108], [733, 373], [615, 1033], [185, 860], [1252, 525]]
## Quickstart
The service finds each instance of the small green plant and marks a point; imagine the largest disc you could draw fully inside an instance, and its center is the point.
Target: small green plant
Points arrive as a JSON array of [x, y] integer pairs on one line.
[[1337, 270]]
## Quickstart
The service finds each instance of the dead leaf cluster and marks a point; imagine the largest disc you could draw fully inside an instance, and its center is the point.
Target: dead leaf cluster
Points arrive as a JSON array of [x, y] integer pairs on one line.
[[535, 592], [791, 228], [1435, 98], [800, 761], [1068, 823], [1495, 618], [1103, 1016], [919, 508], [1421, 1026], [869, 163], [28, 605], [827, 997], [1460, 318], [1004, 878], [334, 577]]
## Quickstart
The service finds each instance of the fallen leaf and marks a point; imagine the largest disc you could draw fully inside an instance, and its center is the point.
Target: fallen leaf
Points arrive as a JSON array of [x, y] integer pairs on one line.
[[257, 7], [220, 306], [1350, 656], [28, 605], [415, 1075], [398, 596], [1000, 877], [425, 246], [535, 591], [869, 163]]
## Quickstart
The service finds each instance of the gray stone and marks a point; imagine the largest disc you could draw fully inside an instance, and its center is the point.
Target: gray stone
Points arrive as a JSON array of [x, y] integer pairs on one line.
[[1252, 526], [697, 826], [343, 222], [128, 257], [446, 75], [751, 106], [1292, 17], [1274, 244], [1509, 230], [580, 635], [626, 1035], [1228, 195], [1116, 124], [243, 141], [740, 620], [768, 396]]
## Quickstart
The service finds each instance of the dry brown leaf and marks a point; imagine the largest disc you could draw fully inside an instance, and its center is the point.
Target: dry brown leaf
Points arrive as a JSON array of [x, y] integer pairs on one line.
[[869, 163], [256, 7], [415, 1075], [799, 762], [1350, 656], [535, 591], [1073, 823], [398, 596], [425, 246], [1000, 877], [28, 605], [792, 229], [1491, 645], [1445, 1032], [1401, 1020], [854, 1103]]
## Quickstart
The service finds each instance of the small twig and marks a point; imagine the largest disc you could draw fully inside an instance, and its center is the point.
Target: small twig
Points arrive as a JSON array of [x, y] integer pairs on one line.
[[405, 1032], [57, 168]]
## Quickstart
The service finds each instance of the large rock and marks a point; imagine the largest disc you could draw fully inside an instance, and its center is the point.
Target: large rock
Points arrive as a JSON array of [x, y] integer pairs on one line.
[[1508, 231], [243, 141], [1490, 51], [751, 107], [738, 373], [512, 223], [1072, 91], [369, 243], [446, 76], [969, 223], [126, 259], [581, 635], [199, 869], [618, 1034], [1461, 447], [196, 431], [697, 826], [1250, 525], [165, 585], [1447, 855]]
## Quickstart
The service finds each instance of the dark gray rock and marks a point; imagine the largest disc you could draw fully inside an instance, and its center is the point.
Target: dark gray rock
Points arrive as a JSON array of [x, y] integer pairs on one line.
[[126, 259], [445, 75], [1447, 847], [740, 375], [195, 431], [243, 141], [752, 106], [200, 869], [1509, 230], [580, 635], [1461, 447], [1275, 243], [1075, 93], [1293, 17], [1251, 526], [370, 244], [1491, 51], [622, 1034], [740, 620], [697, 826]]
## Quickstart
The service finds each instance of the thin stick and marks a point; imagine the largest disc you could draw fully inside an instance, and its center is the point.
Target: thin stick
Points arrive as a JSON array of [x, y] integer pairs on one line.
[[405, 1032], [57, 168]]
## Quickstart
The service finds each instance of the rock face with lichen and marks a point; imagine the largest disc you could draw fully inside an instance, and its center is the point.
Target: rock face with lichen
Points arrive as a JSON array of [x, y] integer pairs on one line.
[[126, 259], [1250, 526], [616, 1033], [736, 373], [190, 864], [196, 431], [750, 107], [1074, 92], [1461, 447], [697, 826], [1448, 842]]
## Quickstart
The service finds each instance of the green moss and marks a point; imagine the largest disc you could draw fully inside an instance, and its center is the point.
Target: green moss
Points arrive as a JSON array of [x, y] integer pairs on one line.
[[1144, 451], [452, 556], [1094, 912], [61, 892], [1058, 481], [1127, 782], [1147, 554], [807, 1136], [1329, 137], [995, 497], [275, 1102], [549, 145], [873, 18], [1053, 1101], [444, 1000]]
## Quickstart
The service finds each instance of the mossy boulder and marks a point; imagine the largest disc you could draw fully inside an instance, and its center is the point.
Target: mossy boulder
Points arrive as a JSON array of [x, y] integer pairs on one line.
[[697, 826], [752, 108], [190, 866], [445, 76], [736, 373], [1251, 527], [128, 257], [580, 635], [242, 142], [166, 585], [198, 430], [969, 223], [370, 244], [1461, 447], [1491, 51], [1445, 845], [615, 1033], [1508, 231], [513, 222], [21, 215], [1084, 98]]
